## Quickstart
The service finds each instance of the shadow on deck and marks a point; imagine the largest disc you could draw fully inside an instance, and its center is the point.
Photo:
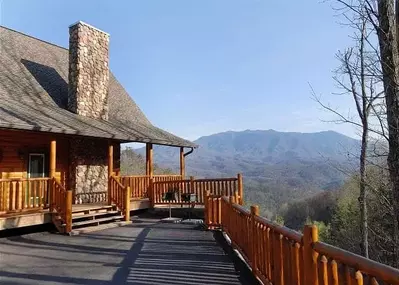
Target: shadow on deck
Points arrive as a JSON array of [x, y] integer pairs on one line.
[[145, 252]]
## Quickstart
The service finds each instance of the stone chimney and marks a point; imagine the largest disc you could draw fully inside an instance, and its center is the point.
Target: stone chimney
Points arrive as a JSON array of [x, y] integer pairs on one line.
[[88, 71]]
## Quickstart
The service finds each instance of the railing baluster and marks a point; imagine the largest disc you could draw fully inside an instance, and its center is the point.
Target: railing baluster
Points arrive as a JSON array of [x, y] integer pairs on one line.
[[324, 271], [358, 277], [373, 281], [347, 273], [12, 196], [334, 273], [29, 193]]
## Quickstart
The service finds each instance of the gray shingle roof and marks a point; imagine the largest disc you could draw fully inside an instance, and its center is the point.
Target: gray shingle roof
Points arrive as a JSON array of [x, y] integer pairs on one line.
[[34, 90]]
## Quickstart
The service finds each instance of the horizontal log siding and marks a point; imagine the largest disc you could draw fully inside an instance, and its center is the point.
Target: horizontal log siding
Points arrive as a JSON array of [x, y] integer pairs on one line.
[[15, 147]]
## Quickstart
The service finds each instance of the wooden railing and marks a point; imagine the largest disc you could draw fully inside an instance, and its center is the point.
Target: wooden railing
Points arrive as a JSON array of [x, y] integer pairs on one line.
[[280, 256], [18, 195], [158, 189], [139, 183], [220, 186], [120, 196], [61, 206]]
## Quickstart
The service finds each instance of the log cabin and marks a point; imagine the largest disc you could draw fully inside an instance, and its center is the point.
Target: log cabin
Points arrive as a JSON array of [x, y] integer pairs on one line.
[[63, 117]]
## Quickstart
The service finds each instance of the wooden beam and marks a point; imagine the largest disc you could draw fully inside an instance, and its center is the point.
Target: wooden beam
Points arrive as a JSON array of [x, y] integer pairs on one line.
[[110, 170], [127, 204], [53, 155], [182, 163], [68, 212], [110, 159], [149, 168], [240, 190], [147, 162]]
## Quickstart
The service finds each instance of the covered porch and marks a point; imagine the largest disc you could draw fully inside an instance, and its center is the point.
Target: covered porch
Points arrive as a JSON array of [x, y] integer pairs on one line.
[[30, 201]]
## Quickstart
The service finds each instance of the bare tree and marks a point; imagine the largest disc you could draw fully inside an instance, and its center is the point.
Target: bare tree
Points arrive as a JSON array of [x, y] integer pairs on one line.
[[359, 76], [383, 15], [387, 31]]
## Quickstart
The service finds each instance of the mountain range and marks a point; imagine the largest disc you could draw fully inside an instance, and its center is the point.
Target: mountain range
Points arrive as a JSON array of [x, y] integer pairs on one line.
[[274, 164]]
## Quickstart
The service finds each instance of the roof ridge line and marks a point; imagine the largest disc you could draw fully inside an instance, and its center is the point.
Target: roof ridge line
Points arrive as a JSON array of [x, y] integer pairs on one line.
[[32, 37]]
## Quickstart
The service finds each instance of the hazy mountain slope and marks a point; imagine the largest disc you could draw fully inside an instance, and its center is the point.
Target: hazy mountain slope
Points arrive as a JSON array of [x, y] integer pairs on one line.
[[133, 163], [281, 165], [260, 153]]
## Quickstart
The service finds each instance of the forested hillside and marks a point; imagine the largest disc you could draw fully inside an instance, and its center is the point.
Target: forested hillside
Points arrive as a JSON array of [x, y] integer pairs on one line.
[[278, 167], [337, 214], [133, 163]]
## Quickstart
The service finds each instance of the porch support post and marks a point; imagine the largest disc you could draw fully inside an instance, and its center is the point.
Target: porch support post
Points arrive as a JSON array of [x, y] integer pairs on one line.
[[110, 169], [182, 163], [149, 160], [53, 155], [110, 160]]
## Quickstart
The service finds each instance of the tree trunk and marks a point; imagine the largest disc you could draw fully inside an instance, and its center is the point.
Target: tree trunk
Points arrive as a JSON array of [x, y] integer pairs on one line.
[[387, 38], [362, 197]]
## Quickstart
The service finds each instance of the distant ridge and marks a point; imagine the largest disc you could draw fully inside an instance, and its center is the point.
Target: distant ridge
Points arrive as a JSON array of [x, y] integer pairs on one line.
[[250, 151], [278, 167]]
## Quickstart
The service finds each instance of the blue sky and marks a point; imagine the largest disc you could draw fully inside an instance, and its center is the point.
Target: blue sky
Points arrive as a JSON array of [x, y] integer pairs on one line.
[[201, 67]]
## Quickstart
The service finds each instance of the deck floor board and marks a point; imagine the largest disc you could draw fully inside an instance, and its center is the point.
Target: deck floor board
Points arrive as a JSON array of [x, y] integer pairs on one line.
[[145, 252]]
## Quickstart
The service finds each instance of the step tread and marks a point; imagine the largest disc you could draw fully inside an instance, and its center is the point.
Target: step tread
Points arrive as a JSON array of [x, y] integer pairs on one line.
[[76, 217], [105, 207], [99, 227], [96, 221]]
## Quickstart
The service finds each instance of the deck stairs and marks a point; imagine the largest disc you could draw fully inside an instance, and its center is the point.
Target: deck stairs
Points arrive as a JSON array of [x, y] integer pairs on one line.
[[92, 218]]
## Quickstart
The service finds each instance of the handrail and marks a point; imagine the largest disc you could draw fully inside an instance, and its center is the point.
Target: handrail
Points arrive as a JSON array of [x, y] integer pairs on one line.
[[139, 184], [24, 179], [291, 234], [216, 179], [241, 209], [373, 268], [155, 175], [120, 196], [279, 255], [172, 181], [61, 206], [117, 182]]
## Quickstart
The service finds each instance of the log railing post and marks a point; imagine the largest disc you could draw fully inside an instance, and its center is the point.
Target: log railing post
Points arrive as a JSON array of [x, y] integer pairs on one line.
[[53, 156], [68, 212], [280, 259], [236, 198], [127, 204], [230, 215], [52, 193], [152, 192], [253, 241], [182, 163], [207, 208], [240, 189], [310, 236], [149, 160], [110, 170]]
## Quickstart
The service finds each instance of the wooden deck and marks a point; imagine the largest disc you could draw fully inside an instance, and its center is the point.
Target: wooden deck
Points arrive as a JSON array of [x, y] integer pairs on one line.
[[145, 252]]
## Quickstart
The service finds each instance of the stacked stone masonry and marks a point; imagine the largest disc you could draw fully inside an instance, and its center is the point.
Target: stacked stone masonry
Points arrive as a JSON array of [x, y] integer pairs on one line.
[[88, 71], [89, 170]]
